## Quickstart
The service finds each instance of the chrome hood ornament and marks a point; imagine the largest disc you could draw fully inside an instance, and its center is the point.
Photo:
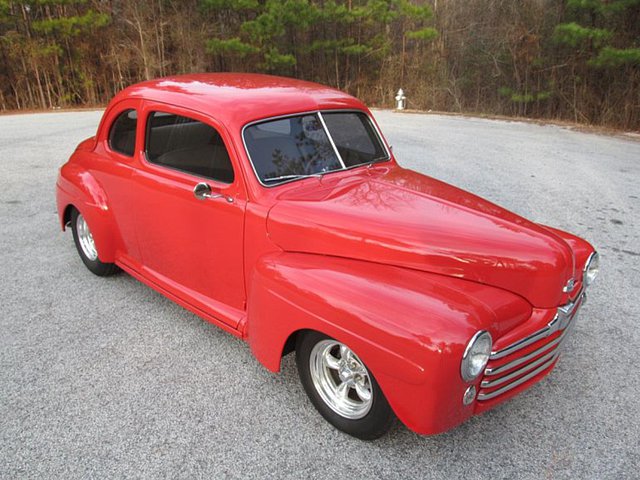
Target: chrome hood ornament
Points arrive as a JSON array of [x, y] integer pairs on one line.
[[571, 284]]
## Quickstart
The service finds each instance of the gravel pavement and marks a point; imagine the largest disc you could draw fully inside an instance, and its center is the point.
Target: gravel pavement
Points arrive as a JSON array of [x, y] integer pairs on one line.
[[104, 378]]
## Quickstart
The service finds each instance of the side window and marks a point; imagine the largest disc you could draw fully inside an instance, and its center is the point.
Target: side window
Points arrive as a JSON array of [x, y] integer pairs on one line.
[[122, 136], [188, 145]]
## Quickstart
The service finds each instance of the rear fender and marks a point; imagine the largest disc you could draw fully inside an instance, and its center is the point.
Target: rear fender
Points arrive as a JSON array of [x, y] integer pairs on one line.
[[78, 188]]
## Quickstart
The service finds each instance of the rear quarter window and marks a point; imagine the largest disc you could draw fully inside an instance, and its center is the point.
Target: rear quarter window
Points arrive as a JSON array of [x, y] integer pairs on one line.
[[122, 135]]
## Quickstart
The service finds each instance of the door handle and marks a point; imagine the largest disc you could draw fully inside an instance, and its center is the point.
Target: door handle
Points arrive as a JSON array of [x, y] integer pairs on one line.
[[202, 191]]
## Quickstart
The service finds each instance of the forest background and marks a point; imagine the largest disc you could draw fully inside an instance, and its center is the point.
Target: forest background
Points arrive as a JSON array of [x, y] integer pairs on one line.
[[574, 60]]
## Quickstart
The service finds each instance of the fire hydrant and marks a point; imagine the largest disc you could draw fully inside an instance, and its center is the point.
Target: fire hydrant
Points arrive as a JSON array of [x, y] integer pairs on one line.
[[401, 100]]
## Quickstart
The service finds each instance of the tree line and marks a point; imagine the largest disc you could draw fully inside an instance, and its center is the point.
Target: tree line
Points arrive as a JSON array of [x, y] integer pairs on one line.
[[576, 60]]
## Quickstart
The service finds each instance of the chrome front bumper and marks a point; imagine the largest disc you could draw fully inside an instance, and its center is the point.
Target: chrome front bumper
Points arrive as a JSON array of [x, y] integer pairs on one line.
[[511, 367]]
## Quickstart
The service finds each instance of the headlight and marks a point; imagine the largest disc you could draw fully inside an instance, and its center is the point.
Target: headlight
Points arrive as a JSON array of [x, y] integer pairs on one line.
[[476, 355], [591, 269]]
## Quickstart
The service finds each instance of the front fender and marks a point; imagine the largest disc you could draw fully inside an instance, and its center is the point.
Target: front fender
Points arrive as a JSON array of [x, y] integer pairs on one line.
[[78, 188], [409, 327]]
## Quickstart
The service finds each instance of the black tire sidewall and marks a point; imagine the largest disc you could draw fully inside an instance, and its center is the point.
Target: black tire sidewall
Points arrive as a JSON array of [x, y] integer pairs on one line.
[[373, 425], [95, 266]]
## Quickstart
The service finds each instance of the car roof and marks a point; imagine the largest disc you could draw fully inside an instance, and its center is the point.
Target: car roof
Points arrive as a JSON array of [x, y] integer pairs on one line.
[[239, 98]]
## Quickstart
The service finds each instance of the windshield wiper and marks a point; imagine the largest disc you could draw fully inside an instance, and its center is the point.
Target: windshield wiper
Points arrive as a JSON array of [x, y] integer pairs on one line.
[[288, 177]]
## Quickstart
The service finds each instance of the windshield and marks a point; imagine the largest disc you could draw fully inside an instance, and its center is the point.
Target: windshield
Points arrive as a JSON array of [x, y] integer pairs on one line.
[[300, 146]]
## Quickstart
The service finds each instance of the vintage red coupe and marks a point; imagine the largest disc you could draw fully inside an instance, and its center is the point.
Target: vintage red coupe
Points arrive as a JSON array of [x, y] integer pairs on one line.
[[274, 208]]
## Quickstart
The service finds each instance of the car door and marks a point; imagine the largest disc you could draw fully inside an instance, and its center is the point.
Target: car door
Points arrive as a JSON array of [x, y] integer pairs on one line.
[[112, 165], [190, 203]]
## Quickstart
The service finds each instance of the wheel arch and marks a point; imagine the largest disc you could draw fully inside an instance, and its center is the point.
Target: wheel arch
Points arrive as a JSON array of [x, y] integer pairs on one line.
[[66, 215], [291, 341], [410, 328], [77, 189], [357, 303]]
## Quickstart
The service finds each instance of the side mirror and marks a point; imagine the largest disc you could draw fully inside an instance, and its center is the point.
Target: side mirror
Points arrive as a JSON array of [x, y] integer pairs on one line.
[[202, 191]]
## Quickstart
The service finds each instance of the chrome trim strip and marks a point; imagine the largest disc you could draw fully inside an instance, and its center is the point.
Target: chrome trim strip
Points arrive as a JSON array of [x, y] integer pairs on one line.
[[554, 350], [519, 361], [466, 354], [554, 344], [525, 342], [333, 144], [586, 265], [568, 311], [383, 140], [559, 322], [568, 308], [517, 373], [488, 396]]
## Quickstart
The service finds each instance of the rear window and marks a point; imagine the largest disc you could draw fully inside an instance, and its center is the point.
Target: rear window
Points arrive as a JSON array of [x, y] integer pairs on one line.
[[122, 136], [188, 145]]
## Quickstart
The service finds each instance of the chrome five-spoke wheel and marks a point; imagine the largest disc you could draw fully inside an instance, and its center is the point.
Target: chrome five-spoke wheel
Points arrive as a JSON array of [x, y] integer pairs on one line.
[[341, 379], [341, 387], [86, 246], [86, 238]]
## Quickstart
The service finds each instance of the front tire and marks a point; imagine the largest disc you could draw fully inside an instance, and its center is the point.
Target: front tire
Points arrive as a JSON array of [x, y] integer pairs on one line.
[[86, 247], [341, 387]]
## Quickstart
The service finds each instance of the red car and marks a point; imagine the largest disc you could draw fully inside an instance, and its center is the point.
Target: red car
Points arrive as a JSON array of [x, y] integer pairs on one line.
[[274, 208]]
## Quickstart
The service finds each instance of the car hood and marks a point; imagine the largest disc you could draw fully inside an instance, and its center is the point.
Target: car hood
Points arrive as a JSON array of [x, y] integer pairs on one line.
[[395, 216]]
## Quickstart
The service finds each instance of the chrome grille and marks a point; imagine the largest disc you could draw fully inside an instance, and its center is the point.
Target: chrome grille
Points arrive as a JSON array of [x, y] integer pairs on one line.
[[507, 370]]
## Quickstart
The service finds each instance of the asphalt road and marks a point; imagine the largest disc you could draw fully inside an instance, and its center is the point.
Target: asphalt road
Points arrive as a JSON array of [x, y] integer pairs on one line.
[[104, 378]]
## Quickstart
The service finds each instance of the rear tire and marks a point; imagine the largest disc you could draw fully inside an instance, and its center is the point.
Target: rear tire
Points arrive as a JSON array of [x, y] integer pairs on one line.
[[341, 387], [87, 248]]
